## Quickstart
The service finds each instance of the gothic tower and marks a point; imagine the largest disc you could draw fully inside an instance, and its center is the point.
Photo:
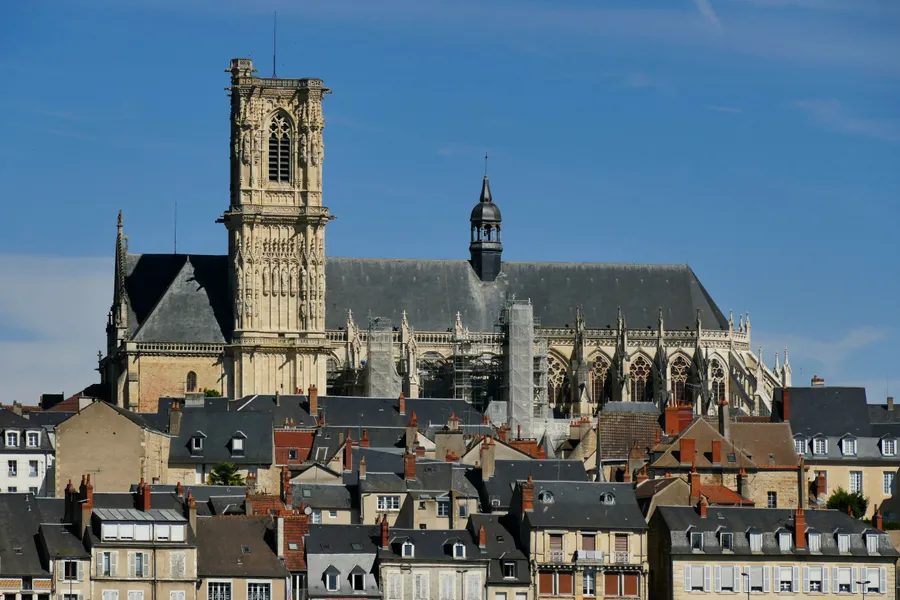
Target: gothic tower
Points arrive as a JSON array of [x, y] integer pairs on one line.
[[276, 234], [485, 247]]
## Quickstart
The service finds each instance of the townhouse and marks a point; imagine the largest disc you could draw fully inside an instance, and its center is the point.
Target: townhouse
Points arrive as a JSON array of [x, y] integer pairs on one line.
[[26, 456], [341, 561]]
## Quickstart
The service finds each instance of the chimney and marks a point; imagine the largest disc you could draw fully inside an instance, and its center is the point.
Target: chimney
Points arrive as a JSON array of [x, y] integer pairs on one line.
[[192, 512], [420, 451], [688, 453], [482, 537], [313, 401], [504, 430], [519, 432], [487, 459], [251, 482], [717, 452], [451, 456], [703, 507], [277, 398], [279, 535], [409, 465], [799, 528], [724, 419], [145, 498], [453, 422], [817, 381], [287, 495], [362, 469], [890, 404], [175, 418], [87, 503], [878, 520], [820, 488], [695, 485], [179, 490], [248, 501], [412, 431], [802, 487], [69, 505], [528, 495], [364, 442], [402, 402], [743, 483], [786, 405], [348, 452], [626, 475], [385, 533], [642, 475]]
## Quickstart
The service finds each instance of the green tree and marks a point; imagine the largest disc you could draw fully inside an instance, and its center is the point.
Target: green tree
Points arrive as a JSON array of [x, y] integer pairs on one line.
[[841, 500], [225, 473], [212, 393]]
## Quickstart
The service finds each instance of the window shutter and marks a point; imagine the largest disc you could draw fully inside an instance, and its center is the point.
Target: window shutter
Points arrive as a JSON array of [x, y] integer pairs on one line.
[[146, 565], [131, 566], [737, 578], [80, 571], [825, 580], [60, 570], [473, 586], [717, 585], [98, 563], [687, 578], [882, 580], [854, 577], [447, 592], [834, 582], [795, 580], [766, 573], [706, 578], [114, 563], [806, 579]]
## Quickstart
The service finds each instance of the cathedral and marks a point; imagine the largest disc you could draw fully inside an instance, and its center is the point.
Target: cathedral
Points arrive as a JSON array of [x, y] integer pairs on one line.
[[276, 315]]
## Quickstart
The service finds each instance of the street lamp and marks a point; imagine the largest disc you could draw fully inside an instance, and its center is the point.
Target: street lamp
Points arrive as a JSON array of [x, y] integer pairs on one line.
[[865, 587], [746, 577]]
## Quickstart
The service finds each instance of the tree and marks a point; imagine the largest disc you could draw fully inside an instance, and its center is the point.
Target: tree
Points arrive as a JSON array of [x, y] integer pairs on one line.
[[208, 393], [225, 473], [841, 500]]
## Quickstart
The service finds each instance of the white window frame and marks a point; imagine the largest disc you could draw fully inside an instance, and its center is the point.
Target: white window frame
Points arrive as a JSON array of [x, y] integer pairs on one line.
[[386, 502], [37, 468], [820, 442], [755, 542], [820, 579], [408, 549], [853, 476], [12, 468], [267, 582], [456, 548], [889, 447], [36, 436], [177, 595], [815, 542], [196, 444], [771, 499], [512, 564], [800, 446], [109, 594], [14, 436], [589, 583], [135, 595], [726, 584], [332, 578], [843, 543], [162, 533], [443, 508], [237, 446], [784, 541], [361, 579], [872, 543], [227, 582], [697, 535], [889, 482], [730, 537], [848, 447]]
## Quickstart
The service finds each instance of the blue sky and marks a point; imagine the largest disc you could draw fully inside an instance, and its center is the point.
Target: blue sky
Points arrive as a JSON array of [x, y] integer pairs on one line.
[[756, 140]]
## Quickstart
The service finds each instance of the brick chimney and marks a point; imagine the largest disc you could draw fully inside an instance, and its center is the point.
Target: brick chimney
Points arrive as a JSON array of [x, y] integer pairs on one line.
[[503, 434], [412, 431], [453, 422], [402, 403], [409, 465], [362, 468], [890, 404], [642, 475], [528, 495], [191, 510], [385, 533], [287, 496], [717, 452], [145, 498], [487, 459], [482, 537], [724, 419], [348, 452], [313, 396], [694, 479], [786, 405], [817, 381], [799, 528], [179, 490], [878, 520], [87, 503], [703, 506], [175, 418], [420, 451], [364, 442], [688, 452], [820, 487], [70, 501]]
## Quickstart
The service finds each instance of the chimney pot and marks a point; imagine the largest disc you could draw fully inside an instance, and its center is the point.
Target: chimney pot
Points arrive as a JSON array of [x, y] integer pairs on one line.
[[890, 403], [482, 537], [799, 528], [402, 401], [409, 465], [385, 533], [528, 495], [786, 405], [313, 401]]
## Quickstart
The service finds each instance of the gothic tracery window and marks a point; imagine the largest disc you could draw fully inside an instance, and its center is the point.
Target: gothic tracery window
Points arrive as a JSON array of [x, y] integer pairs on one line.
[[599, 376], [556, 380], [680, 375], [279, 150], [640, 373], [717, 378], [191, 383]]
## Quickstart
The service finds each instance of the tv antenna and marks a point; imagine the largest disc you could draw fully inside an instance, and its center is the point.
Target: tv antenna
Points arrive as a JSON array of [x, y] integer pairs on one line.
[[275, 46]]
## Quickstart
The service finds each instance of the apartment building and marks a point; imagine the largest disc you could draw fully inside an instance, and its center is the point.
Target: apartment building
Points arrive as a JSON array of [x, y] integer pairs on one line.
[[26, 456]]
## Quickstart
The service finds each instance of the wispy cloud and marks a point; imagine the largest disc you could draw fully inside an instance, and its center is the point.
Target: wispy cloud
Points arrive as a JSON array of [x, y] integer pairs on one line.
[[827, 354], [706, 11], [725, 109], [52, 314], [830, 114], [639, 80]]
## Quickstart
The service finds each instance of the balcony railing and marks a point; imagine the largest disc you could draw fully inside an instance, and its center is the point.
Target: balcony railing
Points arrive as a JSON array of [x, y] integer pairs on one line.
[[558, 556], [620, 557], [590, 556], [596, 557]]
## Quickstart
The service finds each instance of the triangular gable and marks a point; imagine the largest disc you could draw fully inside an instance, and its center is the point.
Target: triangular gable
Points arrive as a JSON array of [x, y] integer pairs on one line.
[[704, 434], [318, 473]]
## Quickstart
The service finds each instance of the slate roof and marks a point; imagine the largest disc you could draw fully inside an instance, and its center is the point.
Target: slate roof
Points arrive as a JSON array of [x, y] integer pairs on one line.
[[12, 421], [319, 495], [501, 548], [289, 406], [48, 419], [342, 549], [431, 545], [767, 444], [509, 472], [221, 542], [621, 427], [768, 521], [431, 476], [185, 298], [881, 415], [343, 539], [211, 499], [218, 427], [62, 543], [332, 439], [21, 519], [577, 505], [828, 411]]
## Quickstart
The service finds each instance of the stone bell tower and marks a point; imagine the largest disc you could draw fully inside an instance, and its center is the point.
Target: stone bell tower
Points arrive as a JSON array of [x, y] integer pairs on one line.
[[276, 234]]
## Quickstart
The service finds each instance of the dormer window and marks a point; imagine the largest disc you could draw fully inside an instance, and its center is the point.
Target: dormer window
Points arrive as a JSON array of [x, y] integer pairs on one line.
[[784, 541], [889, 447], [696, 540], [33, 439], [756, 542], [331, 579], [800, 445], [820, 446], [815, 542], [12, 439], [196, 445], [407, 550], [843, 540], [459, 550], [358, 582], [237, 443], [872, 543], [726, 540], [849, 447]]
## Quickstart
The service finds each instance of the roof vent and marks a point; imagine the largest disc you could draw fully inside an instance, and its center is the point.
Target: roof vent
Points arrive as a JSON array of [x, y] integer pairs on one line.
[[545, 497], [245, 549], [607, 498]]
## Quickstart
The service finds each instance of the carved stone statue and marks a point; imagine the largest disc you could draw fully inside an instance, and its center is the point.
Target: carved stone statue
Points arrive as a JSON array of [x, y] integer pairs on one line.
[[265, 282], [303, 143], [293, 281], [284, 281], [245, 147]]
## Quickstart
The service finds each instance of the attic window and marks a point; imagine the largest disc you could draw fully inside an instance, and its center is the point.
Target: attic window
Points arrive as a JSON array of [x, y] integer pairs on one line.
[[331, 582], [545, 497], [800, 446], [293, 546], [732, 458], [889, 447], [245, 549], [607, 498], [872, 543], [726, 540], [407, 550], [815, 542], [237, 446], [820, 446], [784, 542], [459, 551], [843, 540], [755, 542], [196, 445], [358, 581], [356, 546], [849, 447]]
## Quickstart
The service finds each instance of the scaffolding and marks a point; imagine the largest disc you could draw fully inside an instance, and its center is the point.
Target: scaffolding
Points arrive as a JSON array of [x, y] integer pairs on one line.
[[517, 324], [476, 372], [541, 404], [382, 379]]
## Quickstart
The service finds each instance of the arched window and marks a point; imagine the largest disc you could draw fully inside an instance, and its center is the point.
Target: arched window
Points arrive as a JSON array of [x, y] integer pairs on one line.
[[680, 375], [717, 378], [599, 375], [640, 373], [435, 379], [556, 381], [191, 384], [279, 150]]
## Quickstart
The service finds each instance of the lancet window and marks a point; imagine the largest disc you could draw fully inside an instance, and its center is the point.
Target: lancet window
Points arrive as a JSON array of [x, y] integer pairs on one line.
[[191, 383], [556, 381], [717, 379], [680, 376], [279, 150], [599, 377], [640, 374]]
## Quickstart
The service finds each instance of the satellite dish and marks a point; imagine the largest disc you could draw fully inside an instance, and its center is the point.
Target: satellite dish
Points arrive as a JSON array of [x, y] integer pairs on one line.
[[307, 511]]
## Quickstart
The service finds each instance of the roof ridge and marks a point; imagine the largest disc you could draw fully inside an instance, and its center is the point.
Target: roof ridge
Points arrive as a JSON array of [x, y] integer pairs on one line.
[[162, 297]]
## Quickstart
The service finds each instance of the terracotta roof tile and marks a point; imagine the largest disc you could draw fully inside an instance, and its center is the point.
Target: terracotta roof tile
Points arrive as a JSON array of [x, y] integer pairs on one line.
[[721, 495], [620, 431]]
